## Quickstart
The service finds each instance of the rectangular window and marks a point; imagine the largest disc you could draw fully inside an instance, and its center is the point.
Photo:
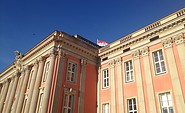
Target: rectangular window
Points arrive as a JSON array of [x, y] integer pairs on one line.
[[131, 105], [129, 77], [68, 103], [166, 103], [105, 78], [105, 108], [71, 72], [29, 81], [46, 71], [159, 62], [40, 103]]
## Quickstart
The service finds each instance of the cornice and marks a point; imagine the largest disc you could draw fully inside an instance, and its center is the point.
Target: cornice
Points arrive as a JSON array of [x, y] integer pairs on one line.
[[149, 33]]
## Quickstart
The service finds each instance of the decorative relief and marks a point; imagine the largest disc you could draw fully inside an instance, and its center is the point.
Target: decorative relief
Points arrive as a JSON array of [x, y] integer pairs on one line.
[[53, 52], [167, 43], [83, 61], [118, 61], [61, 52], [136, 54], [111, 63], [178, 39], [145, 51]]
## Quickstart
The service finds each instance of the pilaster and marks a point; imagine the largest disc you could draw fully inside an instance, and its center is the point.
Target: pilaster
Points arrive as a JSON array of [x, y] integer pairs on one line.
[[149, 82], [139, 83], [177, 90], [179, 42], [30, 92], [3, 96], [82, 85], [35, 95], [19, 97], [119, 80], [48, 83], [112, 86]]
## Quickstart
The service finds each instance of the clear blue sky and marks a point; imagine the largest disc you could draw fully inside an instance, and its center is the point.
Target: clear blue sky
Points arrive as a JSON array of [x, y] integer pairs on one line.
[[24, 23]]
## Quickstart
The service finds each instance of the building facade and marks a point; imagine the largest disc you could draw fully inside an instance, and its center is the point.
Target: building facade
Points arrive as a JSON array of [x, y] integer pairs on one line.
[[143, 72], [56, 76]]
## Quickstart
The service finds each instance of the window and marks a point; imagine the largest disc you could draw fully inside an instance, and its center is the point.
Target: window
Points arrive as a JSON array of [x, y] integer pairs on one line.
[[68, 103], [105, 78], [159, 62], [105, 108], [40, 103], [166, 103], [129, 77], [131, 105], [29, 81], [46, 71], [71, 72]]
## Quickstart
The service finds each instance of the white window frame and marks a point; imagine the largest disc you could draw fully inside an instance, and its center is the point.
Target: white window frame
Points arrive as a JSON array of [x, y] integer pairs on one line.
[[133, 105], [30, 77], [40, 103], [66, 103], [46, 70], [129, 73], [166, 102], [71, 72], [105, 78], [105, 108], [159, 62]]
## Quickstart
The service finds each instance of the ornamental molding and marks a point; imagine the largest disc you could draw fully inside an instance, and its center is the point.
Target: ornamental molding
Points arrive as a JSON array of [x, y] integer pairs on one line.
[[144, 51], [178, 39], [136, 54], [167, 43]]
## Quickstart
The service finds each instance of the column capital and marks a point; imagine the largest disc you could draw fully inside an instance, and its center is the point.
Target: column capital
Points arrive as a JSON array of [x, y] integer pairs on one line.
[[136, 54], [178, 39], [167, 43], [53, 52], [27, 67], [61, 52], [144, 51], [35, 63], [118, 61], [83, 62], [111, 63], [41, 59]]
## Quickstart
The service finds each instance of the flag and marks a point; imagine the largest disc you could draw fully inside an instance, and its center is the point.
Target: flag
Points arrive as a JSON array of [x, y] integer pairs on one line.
[[101, 43]]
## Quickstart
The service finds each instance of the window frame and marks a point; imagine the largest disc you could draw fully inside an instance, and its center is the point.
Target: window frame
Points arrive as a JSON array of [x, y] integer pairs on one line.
[[159, 62], [132, 105], [105, 78], [75, 72], [160, 101], [46, 70], [103, 104], [130, 70], [30, 77], [71, 107]]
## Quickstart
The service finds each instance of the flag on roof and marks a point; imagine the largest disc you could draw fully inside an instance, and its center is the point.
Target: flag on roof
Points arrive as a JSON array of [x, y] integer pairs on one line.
[[101, 43]]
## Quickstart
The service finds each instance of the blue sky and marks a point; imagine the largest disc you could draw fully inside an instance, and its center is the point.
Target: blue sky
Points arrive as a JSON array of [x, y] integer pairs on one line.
[[23, 24]]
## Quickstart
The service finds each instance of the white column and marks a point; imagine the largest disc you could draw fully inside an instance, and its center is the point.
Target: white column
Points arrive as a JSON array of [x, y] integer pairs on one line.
[[58, 81], [140, 90], [8, 94], [82, 85], [113, 90], [36, 86], [120, 85], [148, 78], [30, 92], [3, 96], [177, 90], [10, 99], [47, 87], [20, 92]]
